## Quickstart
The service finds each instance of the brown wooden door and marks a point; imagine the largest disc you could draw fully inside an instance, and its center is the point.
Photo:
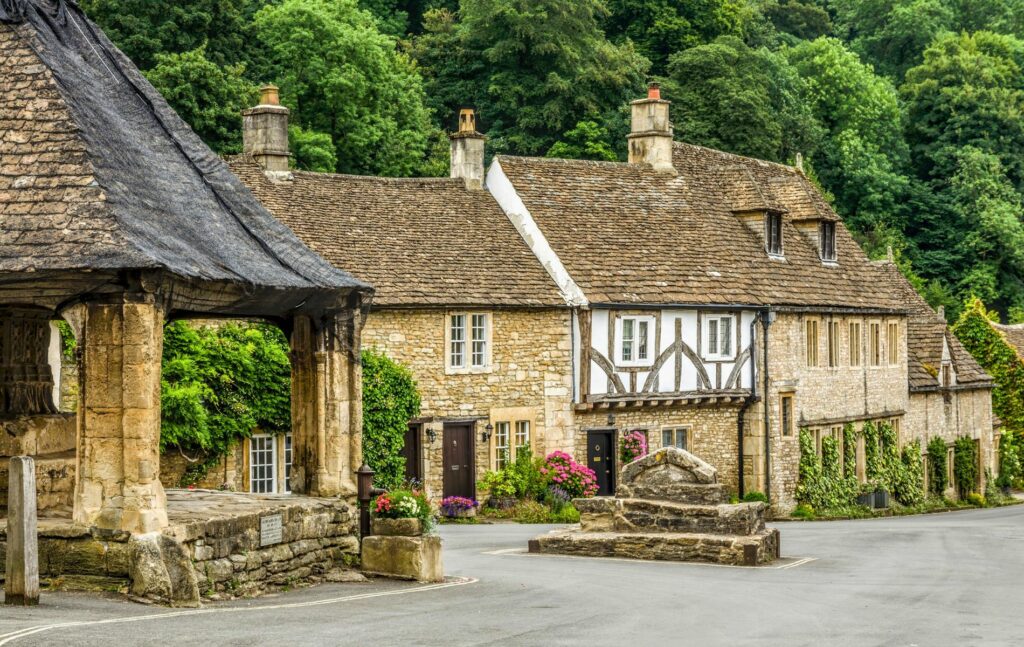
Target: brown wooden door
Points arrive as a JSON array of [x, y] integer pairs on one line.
[[458, 463], [601, 459], [411, 451]]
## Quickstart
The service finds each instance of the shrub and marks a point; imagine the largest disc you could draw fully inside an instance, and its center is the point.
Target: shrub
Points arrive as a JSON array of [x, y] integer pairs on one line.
[[937, 468], [568, 514], [803, 511], [1011, 459], [751, 497], [404, 504], [577, 480], [976, 499], [501, 484], [557, 498], [965, 466], [522, 479], [632, 446], [821, 483], [390, 401], [908, 477]]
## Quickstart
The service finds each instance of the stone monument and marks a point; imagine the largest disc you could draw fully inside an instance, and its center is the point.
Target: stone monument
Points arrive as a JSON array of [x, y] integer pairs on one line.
[[669, 506]]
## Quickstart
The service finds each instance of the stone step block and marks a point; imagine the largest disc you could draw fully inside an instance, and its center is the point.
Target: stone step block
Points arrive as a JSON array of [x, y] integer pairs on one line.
[[642, 515], [734, 550], [696, 493]]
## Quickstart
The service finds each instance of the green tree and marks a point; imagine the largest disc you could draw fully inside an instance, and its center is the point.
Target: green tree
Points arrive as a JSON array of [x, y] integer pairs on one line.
[[743, 100], [390, 401], [342, 77], [999, 359], [312, 151], [587, 140], [798, 20], [207, 96], [533, 68]]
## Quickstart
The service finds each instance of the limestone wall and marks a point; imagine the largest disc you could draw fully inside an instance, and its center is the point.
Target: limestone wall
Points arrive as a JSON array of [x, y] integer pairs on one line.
[[529, 378], [226, 474], [950, 415]]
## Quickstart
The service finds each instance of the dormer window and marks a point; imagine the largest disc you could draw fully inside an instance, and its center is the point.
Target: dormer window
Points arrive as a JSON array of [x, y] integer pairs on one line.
[[827, 240], [773, 233]]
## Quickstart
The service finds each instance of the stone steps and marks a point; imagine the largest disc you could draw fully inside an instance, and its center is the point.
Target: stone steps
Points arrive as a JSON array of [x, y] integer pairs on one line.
[[737, 550], [642, 515]]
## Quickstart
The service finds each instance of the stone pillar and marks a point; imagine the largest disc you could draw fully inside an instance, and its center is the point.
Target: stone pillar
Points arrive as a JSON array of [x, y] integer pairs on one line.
[[326, 405], [22, 584], [118, 479]]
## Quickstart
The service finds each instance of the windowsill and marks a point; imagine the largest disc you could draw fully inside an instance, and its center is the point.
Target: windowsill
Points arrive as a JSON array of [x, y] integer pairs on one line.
[[777, 257], [469, 370], [834, 263]]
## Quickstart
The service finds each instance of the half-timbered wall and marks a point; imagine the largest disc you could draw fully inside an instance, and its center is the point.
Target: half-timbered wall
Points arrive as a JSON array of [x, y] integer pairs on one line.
[[683, 354]]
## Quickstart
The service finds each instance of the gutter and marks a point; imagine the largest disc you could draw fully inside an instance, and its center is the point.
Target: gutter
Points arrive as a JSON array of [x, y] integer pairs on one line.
[[766, 321], [750, 399]]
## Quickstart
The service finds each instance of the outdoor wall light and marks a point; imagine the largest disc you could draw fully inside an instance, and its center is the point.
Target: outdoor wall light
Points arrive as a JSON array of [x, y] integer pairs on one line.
[[611, 419], [431, 436], [488, 430]]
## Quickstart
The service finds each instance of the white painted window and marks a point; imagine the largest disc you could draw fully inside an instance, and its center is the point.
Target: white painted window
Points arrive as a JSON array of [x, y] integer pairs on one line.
[[635, 341], [469, 339], [502, 450], [479, 337], [457, 357], [678, 437], [262, 464], [522, 434], [719, 337], [288, 463]]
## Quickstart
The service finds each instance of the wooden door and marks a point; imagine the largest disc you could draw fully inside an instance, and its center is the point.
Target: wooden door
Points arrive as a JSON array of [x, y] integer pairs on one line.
[[601, 459], [458, 463], [412, 453]]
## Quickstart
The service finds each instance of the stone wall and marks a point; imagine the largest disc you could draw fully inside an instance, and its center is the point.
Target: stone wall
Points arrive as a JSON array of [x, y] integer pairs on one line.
[[226, 474], [529, 378], [950, 415], [712, 433], [823, 396]]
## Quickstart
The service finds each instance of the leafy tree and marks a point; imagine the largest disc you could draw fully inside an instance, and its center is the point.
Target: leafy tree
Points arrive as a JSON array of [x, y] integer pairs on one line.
[[587, 140], [401, 17], [799, 20], [749, 101], [998, 358], [534, 68], [311, 151], [342, 77], [390, 401], [207, 96]]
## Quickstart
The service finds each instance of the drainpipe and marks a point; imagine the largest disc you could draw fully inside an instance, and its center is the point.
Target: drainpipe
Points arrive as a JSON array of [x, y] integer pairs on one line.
[[750, 399], [766, 321]]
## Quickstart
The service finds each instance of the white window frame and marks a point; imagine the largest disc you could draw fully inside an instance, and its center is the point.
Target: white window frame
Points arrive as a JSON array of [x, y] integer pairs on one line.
[[467, 343], [287, 447], [716, 354], [649, 349], [674, 433], [259, 444], [503, 428]]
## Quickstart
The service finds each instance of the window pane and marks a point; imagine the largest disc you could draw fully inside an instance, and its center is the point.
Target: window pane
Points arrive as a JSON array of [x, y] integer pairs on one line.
[[681, 438], [479, 340], [725, 328], [641, 348], [262, 470], [458, 337], [522, 433], [712, 336], [501, 447], [627, 339], [666, 438]]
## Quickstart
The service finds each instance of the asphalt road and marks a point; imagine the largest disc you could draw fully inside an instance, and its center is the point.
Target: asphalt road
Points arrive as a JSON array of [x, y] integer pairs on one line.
[[945, 579]]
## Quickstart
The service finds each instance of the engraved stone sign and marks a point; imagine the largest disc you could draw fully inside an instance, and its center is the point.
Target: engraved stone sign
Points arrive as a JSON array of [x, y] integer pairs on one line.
[[271, 531]]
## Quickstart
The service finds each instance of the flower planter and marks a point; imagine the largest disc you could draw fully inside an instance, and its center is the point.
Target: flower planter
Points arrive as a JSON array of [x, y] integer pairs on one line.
[[866, 499], [409, 527], [461, 514], [881, 499]]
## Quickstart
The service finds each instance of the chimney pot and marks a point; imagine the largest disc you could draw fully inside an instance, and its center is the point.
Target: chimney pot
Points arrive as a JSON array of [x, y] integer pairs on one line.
[[269, 95], [654, 91], [467, 120], [265, 132]]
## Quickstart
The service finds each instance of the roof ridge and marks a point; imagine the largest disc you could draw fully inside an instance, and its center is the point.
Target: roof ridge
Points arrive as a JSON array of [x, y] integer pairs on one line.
[[747, 158], [568, 161]]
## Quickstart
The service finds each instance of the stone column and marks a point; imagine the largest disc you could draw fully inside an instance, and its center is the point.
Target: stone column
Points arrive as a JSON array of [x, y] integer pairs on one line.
[[326, 405], [118, 478], [22, 584]]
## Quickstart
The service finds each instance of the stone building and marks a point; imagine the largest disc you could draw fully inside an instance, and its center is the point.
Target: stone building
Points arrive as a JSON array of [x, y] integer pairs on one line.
[[460, 299], [117, 218]]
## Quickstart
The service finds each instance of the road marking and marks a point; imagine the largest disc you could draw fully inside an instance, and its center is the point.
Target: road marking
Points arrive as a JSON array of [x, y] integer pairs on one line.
[[28, 631], [522, 552]]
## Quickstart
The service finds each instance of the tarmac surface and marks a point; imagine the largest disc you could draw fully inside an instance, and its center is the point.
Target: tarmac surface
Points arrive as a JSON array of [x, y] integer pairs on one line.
[[942, 579]]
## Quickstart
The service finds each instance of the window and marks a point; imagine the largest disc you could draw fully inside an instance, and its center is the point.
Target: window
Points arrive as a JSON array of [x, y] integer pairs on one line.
[[678, 437], [892, 341], [833, 343], [718, 337], [635, 340], [827, 239], [855, 343], [875, 343], [786, 414], [287, 463], [812, 342], [522, 434], [502, 453], [468, 341], [262, 464], [773, 233], [947, 375]]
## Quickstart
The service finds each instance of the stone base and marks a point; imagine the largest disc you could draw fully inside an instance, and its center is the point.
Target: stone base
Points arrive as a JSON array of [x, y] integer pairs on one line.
[[212, 549], [408, 558], [734, 550]]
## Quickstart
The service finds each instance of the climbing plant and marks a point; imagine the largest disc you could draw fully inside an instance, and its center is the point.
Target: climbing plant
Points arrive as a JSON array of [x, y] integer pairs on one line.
[[965, 466], [390, 401], [850, 453], [1011, 457], [937, 468], [822, 484], [999, 359], [908, 478], [872, 455]]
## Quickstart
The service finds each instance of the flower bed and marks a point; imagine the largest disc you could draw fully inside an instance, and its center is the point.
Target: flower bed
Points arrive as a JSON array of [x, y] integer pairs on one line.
[[456, 507], [576, 480], [404, 504]]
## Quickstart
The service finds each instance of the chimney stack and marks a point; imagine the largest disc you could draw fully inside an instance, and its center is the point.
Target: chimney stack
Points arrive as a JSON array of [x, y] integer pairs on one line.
[[468, 151], [650, 141], [265, 131]]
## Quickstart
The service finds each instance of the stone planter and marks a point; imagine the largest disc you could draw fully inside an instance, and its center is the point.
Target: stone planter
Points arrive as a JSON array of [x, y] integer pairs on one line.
[[462, 514], [396, 527], [503, 503], [406, 558]]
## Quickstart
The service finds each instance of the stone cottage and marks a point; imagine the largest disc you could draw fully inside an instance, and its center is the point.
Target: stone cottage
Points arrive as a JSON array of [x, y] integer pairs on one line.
[[460, 298]]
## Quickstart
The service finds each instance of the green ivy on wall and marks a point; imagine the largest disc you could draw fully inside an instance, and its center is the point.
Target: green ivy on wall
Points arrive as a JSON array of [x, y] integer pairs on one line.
[[965, 466], [937, 467], [390, 401], [999, 359]]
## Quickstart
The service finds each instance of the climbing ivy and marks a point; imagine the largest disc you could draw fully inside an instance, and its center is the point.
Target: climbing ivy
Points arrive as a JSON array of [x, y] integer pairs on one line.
[[390, 401], [872, 456], [965, 466], [850, 453], [937, 467], [822, 483], [998, 358], [1011, 459]]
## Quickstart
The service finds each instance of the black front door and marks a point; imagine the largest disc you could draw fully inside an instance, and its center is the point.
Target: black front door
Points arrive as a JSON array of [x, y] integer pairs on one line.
[[458, 460], [411, 453], [601, 459]]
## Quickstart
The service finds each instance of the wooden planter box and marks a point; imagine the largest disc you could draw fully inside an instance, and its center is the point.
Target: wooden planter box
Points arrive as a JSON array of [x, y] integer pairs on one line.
[[396, 527]]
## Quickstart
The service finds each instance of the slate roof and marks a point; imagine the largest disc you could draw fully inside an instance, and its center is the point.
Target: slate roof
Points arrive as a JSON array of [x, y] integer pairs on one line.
[[97, 172], [629, 235], [1014, 335], [419, 241], [925, 333]]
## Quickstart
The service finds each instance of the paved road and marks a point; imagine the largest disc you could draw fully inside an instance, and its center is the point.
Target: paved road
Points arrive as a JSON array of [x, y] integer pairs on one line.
[[947, 579]]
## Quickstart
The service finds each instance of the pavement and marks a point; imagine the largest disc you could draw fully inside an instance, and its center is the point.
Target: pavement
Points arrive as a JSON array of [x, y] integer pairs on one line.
[[942, 579]]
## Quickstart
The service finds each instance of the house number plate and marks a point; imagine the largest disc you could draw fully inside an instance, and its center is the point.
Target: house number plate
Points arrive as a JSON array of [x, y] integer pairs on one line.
[[271, 531]]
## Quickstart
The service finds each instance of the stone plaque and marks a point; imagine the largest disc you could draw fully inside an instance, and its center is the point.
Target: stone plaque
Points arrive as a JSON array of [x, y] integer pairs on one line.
[[271, 530]]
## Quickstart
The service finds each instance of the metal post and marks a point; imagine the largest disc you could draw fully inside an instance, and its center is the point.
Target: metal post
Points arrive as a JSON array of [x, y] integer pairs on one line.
[[364, 487], [22, 585]]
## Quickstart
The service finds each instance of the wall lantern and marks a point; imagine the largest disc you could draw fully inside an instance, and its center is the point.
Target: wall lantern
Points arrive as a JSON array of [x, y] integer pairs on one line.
[[488, 430], [611, 419], [431, 436]]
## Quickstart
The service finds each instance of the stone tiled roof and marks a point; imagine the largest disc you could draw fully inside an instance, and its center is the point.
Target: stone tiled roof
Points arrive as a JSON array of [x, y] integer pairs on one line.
[[98, 173], [420, 242], [1014, 335], [926, 331], [629, 235]]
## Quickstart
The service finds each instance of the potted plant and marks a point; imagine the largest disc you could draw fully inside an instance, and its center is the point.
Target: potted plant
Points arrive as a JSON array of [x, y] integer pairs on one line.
[[866, 495], [404, 513], [458, 507], [881, 498]]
